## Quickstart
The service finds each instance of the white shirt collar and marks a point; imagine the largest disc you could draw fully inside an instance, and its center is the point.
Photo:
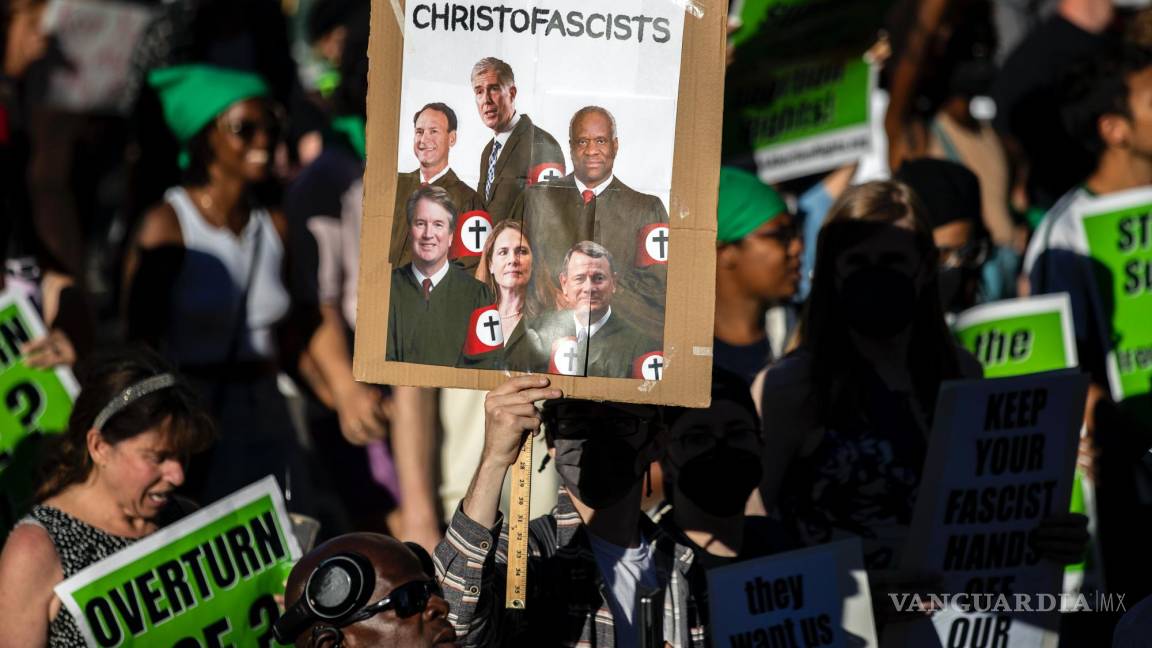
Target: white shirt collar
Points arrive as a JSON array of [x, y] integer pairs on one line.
[[503, 137], [596, 326], [434, 178], [598, 189], [436, 276]]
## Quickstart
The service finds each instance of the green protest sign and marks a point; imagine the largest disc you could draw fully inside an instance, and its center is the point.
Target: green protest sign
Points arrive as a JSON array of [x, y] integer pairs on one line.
[[1019, 336], [1118, 231], [810, 116], [35, 401], [208, 580], [778, 27]]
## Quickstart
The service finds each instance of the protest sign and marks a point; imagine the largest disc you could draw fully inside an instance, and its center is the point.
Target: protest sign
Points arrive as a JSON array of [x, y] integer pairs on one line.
[[812, 597], [815, 116], [1019, 336], [1118, 232], [557, 184], [1014, 337], [35, 401], [797, 95], [1000, 460], [97, 40], [208, 580], [782, 28]]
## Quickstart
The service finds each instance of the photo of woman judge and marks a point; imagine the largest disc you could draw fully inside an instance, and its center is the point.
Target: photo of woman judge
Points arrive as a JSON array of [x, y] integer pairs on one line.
[[521, 294], [108, 481]]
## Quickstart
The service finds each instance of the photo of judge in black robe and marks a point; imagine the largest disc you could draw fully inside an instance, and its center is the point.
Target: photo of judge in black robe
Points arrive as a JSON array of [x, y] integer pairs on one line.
[[431, 298], [587, 338], [592, 204]]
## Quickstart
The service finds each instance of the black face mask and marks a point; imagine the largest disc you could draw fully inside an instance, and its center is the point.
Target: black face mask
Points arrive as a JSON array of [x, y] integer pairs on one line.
[[598, 472], [954, 285], [878, 302], [720, 481]]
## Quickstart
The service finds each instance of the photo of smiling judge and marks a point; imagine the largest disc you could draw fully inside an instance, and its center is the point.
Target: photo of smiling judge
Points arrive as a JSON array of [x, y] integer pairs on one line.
[[592, 204], [587, 338], [520, 153], [431, 299], [435, 135]]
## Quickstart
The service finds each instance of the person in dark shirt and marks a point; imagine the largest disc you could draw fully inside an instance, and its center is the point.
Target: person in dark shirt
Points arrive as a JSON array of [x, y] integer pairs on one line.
[[758, 250], [1029, 90]]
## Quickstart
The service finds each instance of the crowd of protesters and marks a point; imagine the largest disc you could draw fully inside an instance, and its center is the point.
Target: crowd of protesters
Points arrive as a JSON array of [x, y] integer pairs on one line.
[[194, 252]]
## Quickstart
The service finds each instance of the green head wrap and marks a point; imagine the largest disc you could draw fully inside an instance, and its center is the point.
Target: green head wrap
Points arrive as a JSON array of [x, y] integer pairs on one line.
[[745, 204], [193, 95], [353, 128]]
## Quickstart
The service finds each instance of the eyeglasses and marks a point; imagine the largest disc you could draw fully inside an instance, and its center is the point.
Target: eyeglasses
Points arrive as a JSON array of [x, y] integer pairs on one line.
[[702, 439], [588, 427], [246, 129], [783, 235], [409, 599], [971, 255]]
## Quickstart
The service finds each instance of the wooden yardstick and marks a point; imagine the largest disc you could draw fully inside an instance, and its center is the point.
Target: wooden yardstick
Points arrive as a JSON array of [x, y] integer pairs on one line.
[[516, 592]]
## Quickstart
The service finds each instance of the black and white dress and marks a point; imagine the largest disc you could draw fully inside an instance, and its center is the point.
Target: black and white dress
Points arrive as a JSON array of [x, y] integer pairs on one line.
[[78, 545]]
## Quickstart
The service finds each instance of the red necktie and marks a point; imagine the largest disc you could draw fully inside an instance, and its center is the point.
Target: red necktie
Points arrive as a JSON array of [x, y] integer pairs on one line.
[[427, 284], [588, 196]]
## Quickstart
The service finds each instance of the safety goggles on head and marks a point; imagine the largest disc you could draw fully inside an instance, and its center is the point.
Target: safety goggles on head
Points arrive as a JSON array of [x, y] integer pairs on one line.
[[337, 594]]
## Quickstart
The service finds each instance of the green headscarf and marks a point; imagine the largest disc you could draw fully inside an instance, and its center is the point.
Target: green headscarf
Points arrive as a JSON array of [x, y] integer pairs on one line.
[[193, 95], [352, 127], [745, 204]]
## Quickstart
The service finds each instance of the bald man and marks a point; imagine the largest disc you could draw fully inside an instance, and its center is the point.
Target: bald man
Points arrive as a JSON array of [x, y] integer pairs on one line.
[[401, 607]]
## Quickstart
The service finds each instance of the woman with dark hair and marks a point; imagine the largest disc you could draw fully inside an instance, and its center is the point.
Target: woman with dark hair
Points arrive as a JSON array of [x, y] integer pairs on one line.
[[205, 276], [847, 414], [520, 293], [108, 481]]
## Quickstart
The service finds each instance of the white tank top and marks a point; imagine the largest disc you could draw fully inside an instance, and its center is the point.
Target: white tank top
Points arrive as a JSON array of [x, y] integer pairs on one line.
[[205, 300]]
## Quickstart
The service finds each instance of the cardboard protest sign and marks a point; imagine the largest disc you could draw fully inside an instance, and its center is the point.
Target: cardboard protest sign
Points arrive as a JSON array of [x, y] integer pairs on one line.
[[35, 401], [812, 597], [97, 39], [1118, 231], [1020, 336], [1000, 460], [555, 166], [208, 580]]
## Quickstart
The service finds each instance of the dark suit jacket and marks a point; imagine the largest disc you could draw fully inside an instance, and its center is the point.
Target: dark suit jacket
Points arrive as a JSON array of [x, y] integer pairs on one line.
[[433, 331], [555, 218], [527, 147], [400, 250], [610, 353]]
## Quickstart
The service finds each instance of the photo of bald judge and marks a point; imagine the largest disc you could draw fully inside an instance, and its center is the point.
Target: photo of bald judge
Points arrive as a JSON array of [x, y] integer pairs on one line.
[[520, 153], [587, 337], [592, 204], [431, 299], [435, 135]]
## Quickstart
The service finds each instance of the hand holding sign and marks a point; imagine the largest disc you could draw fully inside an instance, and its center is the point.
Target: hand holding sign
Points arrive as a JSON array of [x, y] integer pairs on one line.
[[508, 414]]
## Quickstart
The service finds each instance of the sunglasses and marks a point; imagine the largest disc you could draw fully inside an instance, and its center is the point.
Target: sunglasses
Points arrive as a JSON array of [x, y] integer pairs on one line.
[[246, 129], [409, 599], [784, 234]]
